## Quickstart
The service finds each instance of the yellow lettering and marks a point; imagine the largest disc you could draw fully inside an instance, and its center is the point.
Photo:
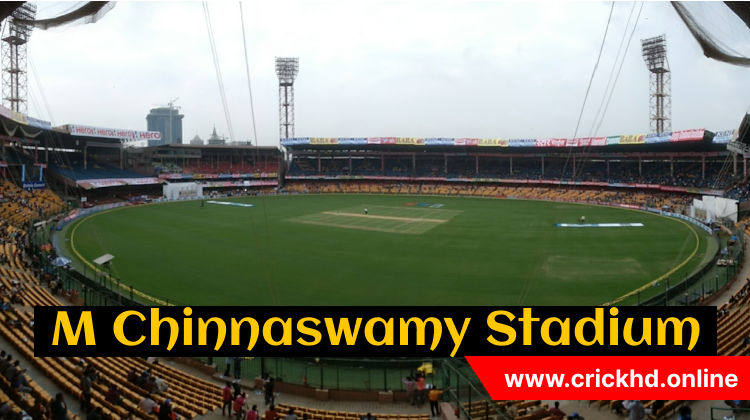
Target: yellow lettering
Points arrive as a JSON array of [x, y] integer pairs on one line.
[[457, 338], [598, 326], [309, 331], [527, 320], [564, 331], [85, 324], [221, 334], [627, 334], [387, 337], [501, 328], [174, 328], [436, 325], [694, 331], [119, 327], [334, 334], [254, 331], [286, 339]]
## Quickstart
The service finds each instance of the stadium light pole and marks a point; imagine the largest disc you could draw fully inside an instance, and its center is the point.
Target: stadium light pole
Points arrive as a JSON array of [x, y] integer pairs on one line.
[[660, 85], [286, 70]]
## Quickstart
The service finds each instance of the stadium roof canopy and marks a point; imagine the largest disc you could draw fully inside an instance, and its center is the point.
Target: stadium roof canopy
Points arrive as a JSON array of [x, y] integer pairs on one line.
[[217, 147]]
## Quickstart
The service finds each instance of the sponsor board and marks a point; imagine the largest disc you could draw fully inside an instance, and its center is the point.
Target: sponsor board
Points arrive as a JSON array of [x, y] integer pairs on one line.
[[229, 203], [633, 139], [408, 141], [521, 142], [655, 138], [438, 142], [599, 225], [723, 136], [112, 133], [35, 185], [323, 141], [492, 142], [688, 135]]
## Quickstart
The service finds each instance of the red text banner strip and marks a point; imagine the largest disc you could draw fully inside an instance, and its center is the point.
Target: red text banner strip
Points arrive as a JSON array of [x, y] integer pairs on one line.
[[609, 378]]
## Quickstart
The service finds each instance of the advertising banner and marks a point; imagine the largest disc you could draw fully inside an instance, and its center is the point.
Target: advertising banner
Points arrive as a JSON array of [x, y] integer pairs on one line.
[[408, 141], [5, 112], [373, 140], [387, 140], [34, 185], [633, 139], [465, 142], [591, 141], [18, 117], [655, 138], [613, 140], [323, 141], [438, 142], [521, 143], [723, 136], [688, 135], [39, 123], [112, 133], [353, 141], [295, 141], [551, 143], [492, 142]]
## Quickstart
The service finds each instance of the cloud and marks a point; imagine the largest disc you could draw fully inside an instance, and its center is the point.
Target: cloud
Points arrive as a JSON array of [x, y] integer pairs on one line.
[[442, 69]]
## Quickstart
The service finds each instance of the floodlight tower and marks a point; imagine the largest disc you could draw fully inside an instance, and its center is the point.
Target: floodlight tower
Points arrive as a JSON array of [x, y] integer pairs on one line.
[[655, 54], [13, 51], [286, 69]]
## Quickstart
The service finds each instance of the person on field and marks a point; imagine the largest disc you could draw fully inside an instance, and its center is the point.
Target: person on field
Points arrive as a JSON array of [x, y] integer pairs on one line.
[[556, 413], [365, 210]]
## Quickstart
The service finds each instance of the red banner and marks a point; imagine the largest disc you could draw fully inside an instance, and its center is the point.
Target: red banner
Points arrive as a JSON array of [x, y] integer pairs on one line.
[[551, 143], [612, 378]]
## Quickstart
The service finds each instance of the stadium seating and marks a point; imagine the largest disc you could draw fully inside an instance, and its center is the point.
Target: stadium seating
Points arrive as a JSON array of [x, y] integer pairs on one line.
[[70, 165], [678, 203], [678, 173], [20, 206]]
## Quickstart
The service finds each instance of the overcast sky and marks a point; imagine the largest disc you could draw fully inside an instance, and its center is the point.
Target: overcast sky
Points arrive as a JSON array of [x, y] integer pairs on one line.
[[376, 69]]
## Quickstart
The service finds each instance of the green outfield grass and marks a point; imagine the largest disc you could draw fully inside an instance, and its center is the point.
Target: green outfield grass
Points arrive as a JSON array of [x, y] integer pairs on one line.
[[323, 250]]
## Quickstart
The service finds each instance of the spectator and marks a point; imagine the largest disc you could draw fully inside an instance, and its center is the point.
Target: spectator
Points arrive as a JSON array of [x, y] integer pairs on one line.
[[161, 386], [269, 388], [271, 413], [38, 411], [368, 417], [86, 392], [637, 411], [6, 364], [419, 395], [291, 415], [556, 413], [409, 386], [655, 407], [12, 370], [150, 386], [228, 362], [239, 406], [536, 409], [434, 402], [140, 382], [226, 398], [132, 376], [147, 405], [58, 408], [166, 412], [237, 367], [113, 395], [95, 414], [512, 411], [252, 414], [17, 385]]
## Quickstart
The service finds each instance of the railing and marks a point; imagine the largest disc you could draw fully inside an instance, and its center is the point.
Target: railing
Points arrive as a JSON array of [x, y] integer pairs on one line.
[[354, 374], [733, 412], [703, 282], [467, 392]]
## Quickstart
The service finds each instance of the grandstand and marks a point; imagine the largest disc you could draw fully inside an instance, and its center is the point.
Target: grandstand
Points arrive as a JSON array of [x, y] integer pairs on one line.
[[662, 179]]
